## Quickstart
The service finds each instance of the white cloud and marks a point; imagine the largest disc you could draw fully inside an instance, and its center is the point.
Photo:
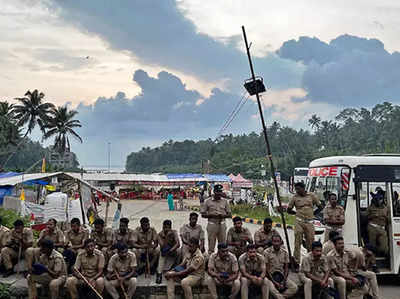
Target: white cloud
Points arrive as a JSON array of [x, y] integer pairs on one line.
[[270, 23]]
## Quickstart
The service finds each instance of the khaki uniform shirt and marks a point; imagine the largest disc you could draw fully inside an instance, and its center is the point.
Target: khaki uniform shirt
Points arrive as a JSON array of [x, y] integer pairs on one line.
[[234, 236], [142, 237], [170, 239], [187, 232], [276, 260], [105, 237], [4, 236], [340, 263], [218, 207], [126, 238], [90, 265], [251, 266], [122, 266], [76, 238], [377, 215], [15, 238], [304, 205], [327, 247], [196, 261], [56, 236], [261, 236], [334, 214], [228, 264], [318, 268], [55, 262]]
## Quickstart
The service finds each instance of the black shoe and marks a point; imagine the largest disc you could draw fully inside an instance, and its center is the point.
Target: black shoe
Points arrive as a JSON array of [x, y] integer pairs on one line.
[[8, 273], [140, 271], [159, 278]]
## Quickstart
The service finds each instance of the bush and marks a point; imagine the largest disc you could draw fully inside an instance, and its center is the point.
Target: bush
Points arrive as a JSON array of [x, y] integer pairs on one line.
[[9, 216], [4, 291], [259, 213]]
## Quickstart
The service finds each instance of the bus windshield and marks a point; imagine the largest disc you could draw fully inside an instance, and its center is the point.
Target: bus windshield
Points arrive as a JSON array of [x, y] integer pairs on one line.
[[325, 180], [300, 172]]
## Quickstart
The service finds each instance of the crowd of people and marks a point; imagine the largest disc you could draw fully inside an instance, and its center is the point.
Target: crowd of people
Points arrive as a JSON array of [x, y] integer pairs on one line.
[[107, 260]]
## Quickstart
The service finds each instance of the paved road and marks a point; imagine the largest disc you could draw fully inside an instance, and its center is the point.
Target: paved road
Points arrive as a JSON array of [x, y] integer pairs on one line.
[[158, 211]]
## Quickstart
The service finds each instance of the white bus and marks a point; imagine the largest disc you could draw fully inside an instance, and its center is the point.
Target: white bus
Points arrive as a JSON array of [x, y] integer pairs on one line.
[[352, 178]]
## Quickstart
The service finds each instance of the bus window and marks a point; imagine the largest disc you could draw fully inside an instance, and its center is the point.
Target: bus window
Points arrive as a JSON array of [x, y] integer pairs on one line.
[[396, 199]]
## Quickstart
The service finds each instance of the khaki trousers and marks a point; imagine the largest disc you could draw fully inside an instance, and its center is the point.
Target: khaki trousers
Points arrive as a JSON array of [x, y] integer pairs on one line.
[[340, 283], [245, 283], [212, 287], [8, 254], [73, 283], [187, 283], [291, 290], [308, 287], [129, 285], [378, 238], [302, 229], [215, 231], [53, 284], [166, 263], [153, 256], [373, 283], [31, 255]]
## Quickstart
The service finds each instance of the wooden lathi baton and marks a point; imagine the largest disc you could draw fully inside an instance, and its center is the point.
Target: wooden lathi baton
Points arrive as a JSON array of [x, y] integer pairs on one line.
[[88, 283], [121, 284]]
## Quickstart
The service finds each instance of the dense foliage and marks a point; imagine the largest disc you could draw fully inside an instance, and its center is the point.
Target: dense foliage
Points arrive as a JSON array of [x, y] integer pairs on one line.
[[352, 132], [17, 151]]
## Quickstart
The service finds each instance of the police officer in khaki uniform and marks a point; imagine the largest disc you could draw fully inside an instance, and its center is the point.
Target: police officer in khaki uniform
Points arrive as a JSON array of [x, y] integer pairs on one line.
[[339, 260], [169, 249], [191, 230], [52, 232], [124, 234], [253, 270], [103, 237], [304, 203], [277, 264], [357, 265], [90, 264], [146, 244], [315, 271], [121, 270], [4, 235], [20, 239], [49, 270], [329, 245], [378, 218], [238, 237], [333, 217], [216, 210], [74, 242], [190, 271], [263, 236], [223, 269]]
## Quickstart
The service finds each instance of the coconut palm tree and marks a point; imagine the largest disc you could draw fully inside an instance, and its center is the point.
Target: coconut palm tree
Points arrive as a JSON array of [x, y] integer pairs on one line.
[[314, 122], [61, 125], [30, 111], [9, 132]]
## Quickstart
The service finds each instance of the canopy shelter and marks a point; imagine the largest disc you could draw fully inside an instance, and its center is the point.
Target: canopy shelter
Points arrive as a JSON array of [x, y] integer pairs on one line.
[[240, 182]]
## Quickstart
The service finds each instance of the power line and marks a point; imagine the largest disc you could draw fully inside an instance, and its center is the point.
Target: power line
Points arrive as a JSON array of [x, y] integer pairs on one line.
[[233, 114]]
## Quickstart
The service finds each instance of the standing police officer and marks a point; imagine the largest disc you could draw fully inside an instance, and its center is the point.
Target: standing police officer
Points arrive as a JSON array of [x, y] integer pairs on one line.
[[216, 209], [304, 203]]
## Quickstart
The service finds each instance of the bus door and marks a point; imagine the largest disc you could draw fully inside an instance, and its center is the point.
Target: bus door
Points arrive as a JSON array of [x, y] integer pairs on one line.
[[368, 179], [395, 226]]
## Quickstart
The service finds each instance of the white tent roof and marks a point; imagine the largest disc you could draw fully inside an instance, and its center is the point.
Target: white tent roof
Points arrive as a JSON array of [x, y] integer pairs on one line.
[[18, 179]]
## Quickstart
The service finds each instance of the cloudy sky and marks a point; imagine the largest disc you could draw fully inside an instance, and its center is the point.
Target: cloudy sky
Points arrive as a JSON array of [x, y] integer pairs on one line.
[[164, 69]]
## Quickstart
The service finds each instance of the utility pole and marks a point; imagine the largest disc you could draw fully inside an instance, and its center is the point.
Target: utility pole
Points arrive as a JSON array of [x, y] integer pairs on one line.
[[259, 87]]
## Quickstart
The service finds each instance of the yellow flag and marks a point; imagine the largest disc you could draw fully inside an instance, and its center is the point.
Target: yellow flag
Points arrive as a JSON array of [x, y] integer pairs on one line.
[[44, 165], [22, 196], [50, 187]]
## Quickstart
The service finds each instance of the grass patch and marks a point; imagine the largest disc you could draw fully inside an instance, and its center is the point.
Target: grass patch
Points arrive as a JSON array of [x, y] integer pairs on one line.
[[259, 213]]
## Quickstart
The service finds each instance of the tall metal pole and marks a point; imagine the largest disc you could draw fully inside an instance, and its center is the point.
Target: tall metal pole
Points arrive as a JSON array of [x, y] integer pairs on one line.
[[268, 145]]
